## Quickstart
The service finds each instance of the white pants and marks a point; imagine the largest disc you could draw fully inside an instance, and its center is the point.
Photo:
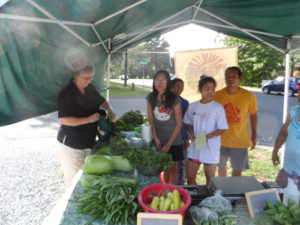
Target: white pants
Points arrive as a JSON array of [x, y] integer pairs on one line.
[[71, 160]]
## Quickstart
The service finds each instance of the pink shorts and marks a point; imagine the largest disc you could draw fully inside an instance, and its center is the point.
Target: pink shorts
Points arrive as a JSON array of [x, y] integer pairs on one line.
[[195, 161], [198, 162]]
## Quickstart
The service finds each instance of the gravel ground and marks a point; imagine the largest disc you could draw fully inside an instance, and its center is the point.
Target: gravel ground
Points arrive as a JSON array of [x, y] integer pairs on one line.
[[31, 180]]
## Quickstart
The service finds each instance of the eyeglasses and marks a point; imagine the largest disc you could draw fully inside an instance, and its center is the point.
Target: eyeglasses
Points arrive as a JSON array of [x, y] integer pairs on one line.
[[88, 78], [160, 81]]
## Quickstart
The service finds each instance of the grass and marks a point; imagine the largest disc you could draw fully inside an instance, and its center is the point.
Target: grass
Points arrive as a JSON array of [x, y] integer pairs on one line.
[[261, 167], [117, 90]]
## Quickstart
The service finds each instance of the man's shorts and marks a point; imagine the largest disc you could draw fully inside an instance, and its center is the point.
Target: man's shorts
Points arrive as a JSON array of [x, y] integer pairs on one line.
[[238, 158]]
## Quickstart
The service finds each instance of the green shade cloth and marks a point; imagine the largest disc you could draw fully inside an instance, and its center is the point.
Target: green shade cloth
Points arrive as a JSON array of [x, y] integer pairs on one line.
[[37, 55]]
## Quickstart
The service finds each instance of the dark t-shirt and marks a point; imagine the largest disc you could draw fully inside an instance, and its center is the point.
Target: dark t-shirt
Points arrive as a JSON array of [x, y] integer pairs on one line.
[[72, 103]]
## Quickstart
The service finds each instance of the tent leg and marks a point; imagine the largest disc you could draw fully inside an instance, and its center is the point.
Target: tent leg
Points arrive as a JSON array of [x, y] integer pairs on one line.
[[286, 90], [108, 70], [286, 84]]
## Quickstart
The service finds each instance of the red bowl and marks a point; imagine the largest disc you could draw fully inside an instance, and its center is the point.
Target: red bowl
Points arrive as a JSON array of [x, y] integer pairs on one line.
[[144, 199]]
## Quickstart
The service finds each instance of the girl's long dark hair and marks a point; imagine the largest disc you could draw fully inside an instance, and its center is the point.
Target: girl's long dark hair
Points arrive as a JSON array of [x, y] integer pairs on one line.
[[169, 96]]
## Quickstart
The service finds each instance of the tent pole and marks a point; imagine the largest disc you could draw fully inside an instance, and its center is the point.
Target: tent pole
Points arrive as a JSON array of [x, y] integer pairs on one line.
[[286, 89], [108, 70], [287, 78]]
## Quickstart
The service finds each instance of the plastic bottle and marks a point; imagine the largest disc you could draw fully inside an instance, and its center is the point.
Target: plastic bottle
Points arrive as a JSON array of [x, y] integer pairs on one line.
[[291, 191]]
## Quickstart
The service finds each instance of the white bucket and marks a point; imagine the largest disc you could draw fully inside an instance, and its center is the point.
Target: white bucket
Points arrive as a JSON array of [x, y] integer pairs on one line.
[[146, 133]]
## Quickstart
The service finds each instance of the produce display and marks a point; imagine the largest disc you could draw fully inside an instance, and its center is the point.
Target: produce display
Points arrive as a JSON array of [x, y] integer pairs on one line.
[[280, 214], [167, 201], [118, 145], [148, 157], [110, 199], [214, 210], [97, 165], [129, 121]]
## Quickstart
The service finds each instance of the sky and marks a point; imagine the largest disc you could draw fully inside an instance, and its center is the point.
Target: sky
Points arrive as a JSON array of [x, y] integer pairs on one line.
[[192, 37]]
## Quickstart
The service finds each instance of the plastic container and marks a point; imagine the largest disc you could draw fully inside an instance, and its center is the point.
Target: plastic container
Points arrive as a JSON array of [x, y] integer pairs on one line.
[[291, 191], [146, 133], [144, 199]]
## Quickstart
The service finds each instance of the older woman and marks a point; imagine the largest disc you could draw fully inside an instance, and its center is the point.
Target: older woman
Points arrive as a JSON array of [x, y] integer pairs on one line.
[[78, 103], [289, 133]]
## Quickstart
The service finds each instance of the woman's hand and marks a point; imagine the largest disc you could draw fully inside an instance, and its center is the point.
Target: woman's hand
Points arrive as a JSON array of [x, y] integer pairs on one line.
[[94, 117], [114, 116], [165, 148], [157, 143], [275, 158]]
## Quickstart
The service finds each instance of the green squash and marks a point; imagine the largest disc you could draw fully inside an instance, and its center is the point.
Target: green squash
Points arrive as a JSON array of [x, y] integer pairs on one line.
[[98, 165]]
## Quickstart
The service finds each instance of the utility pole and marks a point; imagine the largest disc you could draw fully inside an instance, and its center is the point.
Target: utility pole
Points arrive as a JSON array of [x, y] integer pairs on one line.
[[125, 69]]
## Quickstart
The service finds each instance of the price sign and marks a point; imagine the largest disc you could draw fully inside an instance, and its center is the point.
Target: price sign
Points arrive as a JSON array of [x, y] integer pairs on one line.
[[256, 200], [159, 219]]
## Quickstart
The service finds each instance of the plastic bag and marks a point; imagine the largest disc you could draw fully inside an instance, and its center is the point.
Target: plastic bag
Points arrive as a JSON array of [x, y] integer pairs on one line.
[[203, 214], [217, 203], [104, 129], [134, 142], [128, 133]]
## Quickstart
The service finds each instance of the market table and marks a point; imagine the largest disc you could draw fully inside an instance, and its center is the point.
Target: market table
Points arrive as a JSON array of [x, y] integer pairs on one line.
[[71, 215]]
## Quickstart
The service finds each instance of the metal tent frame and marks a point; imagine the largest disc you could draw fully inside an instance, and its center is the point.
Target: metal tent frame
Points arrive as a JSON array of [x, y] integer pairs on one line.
[[163, 26]]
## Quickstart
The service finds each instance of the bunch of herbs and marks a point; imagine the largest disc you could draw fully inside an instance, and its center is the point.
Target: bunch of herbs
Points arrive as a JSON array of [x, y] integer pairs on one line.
[[111, 200], [148, 157], [129, 121]]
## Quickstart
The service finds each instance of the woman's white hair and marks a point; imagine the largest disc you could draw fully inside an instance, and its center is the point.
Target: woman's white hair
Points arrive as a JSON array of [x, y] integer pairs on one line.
[[88, 68]]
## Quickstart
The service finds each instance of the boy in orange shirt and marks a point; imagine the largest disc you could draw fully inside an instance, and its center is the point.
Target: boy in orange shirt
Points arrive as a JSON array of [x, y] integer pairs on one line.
[[238, 103]]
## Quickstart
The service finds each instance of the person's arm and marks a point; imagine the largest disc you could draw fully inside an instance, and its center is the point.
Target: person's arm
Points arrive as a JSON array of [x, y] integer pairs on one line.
[[108, 107], [190, 129], [215, 134], [76, 121], [151, 122], [281, 137], [253, 123], [176, 131]]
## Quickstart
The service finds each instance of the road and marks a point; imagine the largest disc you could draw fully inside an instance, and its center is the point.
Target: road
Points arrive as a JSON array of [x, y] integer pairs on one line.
[[270, 111]]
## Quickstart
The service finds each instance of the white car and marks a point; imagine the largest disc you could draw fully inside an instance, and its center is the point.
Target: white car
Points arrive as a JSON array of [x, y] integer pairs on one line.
[[122, 77]]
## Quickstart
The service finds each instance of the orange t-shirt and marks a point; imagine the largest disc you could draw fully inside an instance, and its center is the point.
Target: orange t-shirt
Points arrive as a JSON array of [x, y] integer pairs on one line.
[[237, 107]]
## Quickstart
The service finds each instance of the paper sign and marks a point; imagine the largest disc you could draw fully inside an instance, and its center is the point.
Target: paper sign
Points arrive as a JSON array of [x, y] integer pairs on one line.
[[159, 219], [200, 140], [256, 200]]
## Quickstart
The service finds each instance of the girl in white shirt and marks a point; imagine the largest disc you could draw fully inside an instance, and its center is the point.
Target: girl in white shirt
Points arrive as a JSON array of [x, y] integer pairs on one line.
[[205, 116]]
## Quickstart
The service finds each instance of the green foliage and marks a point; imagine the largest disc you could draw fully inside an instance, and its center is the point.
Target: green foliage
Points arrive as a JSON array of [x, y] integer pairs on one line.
[[129, 121], [257, 61], [148, 157], [112, 200]]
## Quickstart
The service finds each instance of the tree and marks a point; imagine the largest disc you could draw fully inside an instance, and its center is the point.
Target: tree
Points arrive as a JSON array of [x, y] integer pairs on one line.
[[155, 52], [257, 61], [117, 65]]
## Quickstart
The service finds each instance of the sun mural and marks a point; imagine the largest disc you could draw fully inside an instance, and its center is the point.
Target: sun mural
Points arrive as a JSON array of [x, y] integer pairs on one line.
[[190, 66], [205, 64]]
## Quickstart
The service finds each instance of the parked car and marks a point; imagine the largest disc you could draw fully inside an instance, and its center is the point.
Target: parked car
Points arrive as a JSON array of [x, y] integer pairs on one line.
[[277, 85], [122, 77]]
